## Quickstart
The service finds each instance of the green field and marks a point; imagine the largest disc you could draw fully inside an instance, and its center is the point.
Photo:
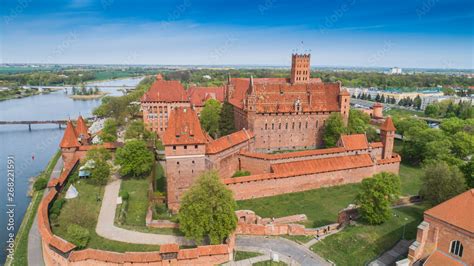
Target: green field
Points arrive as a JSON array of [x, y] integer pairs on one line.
[[320, 205], [84, 210], [138, 200], [359, 244]]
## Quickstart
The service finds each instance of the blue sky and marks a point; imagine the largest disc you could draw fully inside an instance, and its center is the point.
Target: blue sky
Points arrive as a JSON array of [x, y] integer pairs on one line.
[[405, 33]]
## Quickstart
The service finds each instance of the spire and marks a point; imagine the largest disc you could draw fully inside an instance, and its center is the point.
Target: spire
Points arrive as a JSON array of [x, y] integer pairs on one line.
[[81, 128], [250, 90], [388, 125], [228, 79], [69, 139], [159, 76]]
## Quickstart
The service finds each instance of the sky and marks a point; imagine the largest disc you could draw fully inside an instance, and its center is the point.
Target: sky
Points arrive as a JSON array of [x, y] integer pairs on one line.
[[366, 33]]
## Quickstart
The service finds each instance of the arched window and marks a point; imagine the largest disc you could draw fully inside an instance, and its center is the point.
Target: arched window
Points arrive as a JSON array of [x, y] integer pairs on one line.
[[456, 248]]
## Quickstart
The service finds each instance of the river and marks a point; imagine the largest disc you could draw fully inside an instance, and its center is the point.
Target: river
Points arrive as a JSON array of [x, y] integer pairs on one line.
[[32, 150]]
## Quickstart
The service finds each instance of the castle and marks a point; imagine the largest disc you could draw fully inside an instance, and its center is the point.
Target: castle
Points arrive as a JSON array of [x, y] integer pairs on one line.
[[270, 114]]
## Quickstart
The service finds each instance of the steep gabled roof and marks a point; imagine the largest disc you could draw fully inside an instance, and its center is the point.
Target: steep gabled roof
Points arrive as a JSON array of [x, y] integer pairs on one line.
[[439, 258], [228, 141], [70, 137], [355, 142], [165, 91], [184, 128], [388, 125], [81, 128], [457, 211], [199, 95]]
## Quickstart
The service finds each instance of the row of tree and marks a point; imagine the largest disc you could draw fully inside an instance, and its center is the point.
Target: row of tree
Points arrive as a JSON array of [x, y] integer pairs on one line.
[[84, 91], [447, 109]]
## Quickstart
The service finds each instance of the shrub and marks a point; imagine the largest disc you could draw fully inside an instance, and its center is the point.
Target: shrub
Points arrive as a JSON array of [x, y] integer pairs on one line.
[[78, 235], [40, 183], [124, 194], [241, 173], [57, 205]]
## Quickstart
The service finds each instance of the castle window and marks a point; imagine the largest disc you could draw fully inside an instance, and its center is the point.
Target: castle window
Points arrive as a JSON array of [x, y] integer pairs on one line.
[[317, 122], [273, 126], [266, 126], [174, 147], [195, 146], [193, 162], [286, 126], [456, 248], [177, 163], [185, 147], [299, 126], [279, 125], [293, 126], [306, 124]]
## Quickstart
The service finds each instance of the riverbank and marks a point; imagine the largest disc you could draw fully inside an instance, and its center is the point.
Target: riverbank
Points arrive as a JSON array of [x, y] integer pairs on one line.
[[21, 240], [22, 93], [99, 95]]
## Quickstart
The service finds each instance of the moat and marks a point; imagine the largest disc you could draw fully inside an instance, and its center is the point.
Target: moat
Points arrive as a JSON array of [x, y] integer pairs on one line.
[[32, 150]]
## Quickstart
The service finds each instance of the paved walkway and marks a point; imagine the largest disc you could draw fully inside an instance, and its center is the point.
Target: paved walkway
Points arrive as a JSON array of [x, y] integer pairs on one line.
[[35, 251], [266, 255], [297, 254], [316, 240], [391, 256], [107, 229]]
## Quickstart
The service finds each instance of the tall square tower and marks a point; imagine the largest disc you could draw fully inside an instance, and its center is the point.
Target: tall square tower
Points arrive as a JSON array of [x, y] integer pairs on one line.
[[300, 68]]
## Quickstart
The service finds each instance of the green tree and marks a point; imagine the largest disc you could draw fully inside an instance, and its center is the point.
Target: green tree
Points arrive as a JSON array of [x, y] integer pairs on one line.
[[100, 173], [109, 132], [376, 196], [452, 125], [334, 128], [468, 170], [78, 235], [134, 158], [208, 210], [403, 125], [210, 115], [98, 153], [226, 119], [137, 130], [463, 144], [358, 122], [441, 182]]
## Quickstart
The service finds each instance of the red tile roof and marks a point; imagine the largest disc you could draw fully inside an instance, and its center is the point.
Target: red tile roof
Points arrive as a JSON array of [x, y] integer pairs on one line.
[[165, 91], [457, 211], [199, 95], [344, 93], [229, 141], [81, 128], [70, 137], [323, 165], [388, 125], [183, 128], [295, 154], [439, 258], [280, 96], [355, 142], [376, 144]]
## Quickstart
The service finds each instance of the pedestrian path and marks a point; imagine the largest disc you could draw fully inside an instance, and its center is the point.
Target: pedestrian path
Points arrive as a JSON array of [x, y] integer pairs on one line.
[[106, 228], [35, 250], [392, 255]]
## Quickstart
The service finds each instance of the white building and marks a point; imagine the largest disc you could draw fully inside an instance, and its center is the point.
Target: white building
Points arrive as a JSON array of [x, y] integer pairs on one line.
[[395, 71]]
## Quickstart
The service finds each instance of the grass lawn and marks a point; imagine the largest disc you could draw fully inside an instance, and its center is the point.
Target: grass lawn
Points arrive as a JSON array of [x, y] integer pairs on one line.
[[242, 255], [320, 205], [410, 178], [84, 211], [138, 200], [357, 245], [269, 263]]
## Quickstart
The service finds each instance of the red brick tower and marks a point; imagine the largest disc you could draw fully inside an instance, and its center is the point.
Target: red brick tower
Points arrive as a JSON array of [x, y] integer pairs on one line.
[[82, 131], [69, 144], [344, 104], [300, 68], [387, 134], [377, 108], [185, 148]]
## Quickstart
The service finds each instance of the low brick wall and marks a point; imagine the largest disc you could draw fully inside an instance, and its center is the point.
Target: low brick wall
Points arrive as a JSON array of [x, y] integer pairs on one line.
[[158, 223]]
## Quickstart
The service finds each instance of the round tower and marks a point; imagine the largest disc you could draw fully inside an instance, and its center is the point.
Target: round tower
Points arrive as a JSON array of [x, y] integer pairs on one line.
[[378, 109]]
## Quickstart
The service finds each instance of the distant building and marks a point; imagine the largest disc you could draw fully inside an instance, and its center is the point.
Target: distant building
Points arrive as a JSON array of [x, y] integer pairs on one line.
[[446, 236], [395, 71]]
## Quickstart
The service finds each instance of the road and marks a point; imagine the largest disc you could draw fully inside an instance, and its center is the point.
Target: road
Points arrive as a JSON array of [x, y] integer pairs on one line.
[[35, 251], [294, 251]]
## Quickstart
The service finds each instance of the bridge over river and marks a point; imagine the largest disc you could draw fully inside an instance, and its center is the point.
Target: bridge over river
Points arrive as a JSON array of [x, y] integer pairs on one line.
[[36, 122]]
